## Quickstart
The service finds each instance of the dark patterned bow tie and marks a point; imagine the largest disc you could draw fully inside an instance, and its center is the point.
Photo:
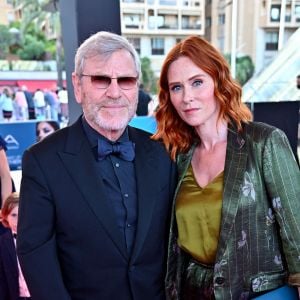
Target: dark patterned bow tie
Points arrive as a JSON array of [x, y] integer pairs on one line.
[[15, 235], [124, 150]]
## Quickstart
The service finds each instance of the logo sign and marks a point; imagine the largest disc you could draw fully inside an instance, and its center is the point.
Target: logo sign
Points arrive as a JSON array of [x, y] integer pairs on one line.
[[18, 136]]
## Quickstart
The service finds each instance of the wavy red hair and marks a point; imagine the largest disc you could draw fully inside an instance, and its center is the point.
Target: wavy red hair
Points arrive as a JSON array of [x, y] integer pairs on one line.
[[171, 129]]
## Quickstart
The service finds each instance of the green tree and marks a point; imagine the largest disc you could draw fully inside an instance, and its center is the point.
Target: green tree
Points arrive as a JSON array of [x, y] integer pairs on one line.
[[32, 14], [33, 49], [148, 77], [5, 40], [244, 68]]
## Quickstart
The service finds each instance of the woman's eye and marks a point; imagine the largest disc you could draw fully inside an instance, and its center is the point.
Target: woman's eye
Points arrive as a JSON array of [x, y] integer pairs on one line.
[[175, 88], [197, 82]]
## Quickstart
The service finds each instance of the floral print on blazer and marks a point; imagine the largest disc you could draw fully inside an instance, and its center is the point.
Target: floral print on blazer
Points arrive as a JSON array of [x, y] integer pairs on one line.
[[259, 245]]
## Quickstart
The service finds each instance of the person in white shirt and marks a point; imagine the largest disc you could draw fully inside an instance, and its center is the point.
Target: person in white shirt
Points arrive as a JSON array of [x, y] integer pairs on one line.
[[63, 99], [40, 104]]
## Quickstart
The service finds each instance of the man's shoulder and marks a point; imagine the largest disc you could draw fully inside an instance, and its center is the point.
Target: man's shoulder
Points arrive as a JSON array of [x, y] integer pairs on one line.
[[143, 139], [141, 136], [56, 140]]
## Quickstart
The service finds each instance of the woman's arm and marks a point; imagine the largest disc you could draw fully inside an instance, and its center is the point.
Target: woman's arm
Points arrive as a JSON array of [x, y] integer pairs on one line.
[[6, 183]]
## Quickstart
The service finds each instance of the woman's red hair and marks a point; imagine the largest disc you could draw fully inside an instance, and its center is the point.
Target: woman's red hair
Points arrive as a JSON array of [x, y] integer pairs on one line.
[[171, 129], [8, 205]]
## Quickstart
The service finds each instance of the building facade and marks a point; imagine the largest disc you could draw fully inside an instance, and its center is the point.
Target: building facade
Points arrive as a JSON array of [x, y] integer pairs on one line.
[[6, 12], [155, 26], [258, 27]]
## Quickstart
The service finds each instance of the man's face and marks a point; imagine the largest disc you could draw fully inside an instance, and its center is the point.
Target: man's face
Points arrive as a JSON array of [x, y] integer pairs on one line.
[[108, 104]]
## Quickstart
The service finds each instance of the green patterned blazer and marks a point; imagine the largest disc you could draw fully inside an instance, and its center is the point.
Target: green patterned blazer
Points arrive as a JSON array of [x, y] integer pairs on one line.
[[259, 245]]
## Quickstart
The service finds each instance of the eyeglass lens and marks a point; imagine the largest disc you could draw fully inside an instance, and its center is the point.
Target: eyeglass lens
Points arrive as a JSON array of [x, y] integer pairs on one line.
[[103, 82]]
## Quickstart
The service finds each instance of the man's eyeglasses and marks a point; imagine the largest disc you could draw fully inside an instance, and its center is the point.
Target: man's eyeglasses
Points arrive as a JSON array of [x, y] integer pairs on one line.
[[103, 82]]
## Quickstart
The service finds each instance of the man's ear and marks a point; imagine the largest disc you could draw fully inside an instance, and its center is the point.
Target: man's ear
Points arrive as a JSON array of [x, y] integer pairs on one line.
[[77, 87]]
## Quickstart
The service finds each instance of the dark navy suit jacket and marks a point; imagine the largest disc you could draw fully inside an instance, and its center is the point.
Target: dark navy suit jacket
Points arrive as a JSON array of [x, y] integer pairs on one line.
[[68, 231], [9, 273]]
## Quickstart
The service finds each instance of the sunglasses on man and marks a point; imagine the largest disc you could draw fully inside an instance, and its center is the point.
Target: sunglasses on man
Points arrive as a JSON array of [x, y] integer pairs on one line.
[[103, 82]]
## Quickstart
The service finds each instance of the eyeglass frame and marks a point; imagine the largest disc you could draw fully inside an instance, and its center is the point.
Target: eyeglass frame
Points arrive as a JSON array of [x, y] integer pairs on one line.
[[105, 76]]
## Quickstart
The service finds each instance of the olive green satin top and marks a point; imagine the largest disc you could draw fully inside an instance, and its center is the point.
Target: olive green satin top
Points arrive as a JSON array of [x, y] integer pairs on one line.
[[198, 214]]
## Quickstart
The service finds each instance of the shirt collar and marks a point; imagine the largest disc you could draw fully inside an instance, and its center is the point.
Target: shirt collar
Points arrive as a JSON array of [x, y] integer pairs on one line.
[[93, 135]]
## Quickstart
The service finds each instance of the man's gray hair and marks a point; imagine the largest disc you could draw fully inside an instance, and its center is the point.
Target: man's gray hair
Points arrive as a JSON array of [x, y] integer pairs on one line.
[[104, 43]]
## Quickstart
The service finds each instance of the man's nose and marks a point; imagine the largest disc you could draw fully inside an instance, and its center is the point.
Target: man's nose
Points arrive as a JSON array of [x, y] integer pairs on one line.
[[113, 90]]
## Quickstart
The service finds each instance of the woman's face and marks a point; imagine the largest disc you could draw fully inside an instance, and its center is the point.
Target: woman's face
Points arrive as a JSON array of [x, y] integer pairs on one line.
[[43, 130], [12, 219], [192, 93]]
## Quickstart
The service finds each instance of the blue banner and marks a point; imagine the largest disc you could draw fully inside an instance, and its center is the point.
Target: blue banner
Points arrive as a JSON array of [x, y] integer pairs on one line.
[[18, 136], [146, 123]]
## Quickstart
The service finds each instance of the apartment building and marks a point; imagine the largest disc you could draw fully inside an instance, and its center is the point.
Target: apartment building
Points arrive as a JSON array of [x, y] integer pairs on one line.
[[155, 26], [6, 12], [258, 23]]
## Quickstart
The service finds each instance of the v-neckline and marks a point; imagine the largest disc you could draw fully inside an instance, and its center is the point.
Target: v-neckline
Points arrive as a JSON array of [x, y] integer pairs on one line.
[[209, 183]]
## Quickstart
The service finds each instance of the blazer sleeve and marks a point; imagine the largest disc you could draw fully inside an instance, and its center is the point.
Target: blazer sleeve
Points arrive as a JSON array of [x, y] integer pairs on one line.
[[4, 292], [282, 178], [36, 243]]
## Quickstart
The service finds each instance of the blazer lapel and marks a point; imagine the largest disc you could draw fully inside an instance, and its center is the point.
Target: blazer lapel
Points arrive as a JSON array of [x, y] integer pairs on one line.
[[235, 166], [79, 161], [147, 186], [11, 250]]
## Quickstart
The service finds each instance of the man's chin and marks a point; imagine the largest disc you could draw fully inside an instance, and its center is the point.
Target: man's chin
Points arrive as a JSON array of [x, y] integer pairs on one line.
[[113, 124]]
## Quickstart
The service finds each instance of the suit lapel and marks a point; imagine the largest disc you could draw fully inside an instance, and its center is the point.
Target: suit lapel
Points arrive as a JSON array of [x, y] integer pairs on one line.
[[10, 250], [147, 186], [235, 166], [79, 161]]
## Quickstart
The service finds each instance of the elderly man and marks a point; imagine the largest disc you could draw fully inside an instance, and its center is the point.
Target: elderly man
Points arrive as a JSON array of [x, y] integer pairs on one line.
[[96, 196]]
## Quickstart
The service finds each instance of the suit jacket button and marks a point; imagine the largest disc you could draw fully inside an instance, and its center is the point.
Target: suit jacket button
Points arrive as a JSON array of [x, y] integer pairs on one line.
[[219, 280]]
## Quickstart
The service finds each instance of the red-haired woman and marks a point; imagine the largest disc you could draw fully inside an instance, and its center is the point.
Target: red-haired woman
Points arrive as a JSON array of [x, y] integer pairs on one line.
[[235, 231]]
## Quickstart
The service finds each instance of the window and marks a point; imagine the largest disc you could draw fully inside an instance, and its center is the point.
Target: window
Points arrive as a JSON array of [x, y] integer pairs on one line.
[[275, 13], [151, 19], [136, 42], [132, 20], [271, 41], [191, 22], [157, 46], [297, 13], [133, 1], [208, 22], [168, 2], [167, 21], [288, 14], [221, 19]]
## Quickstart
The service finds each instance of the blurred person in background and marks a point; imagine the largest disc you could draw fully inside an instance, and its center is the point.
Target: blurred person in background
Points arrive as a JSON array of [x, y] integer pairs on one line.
[[63, 100], [143, 101], [39, 104], [6, 183], [235, 222], [21, 106], [6, 104], [12, 283], [52, 101], [45, 128], [30, 103]]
